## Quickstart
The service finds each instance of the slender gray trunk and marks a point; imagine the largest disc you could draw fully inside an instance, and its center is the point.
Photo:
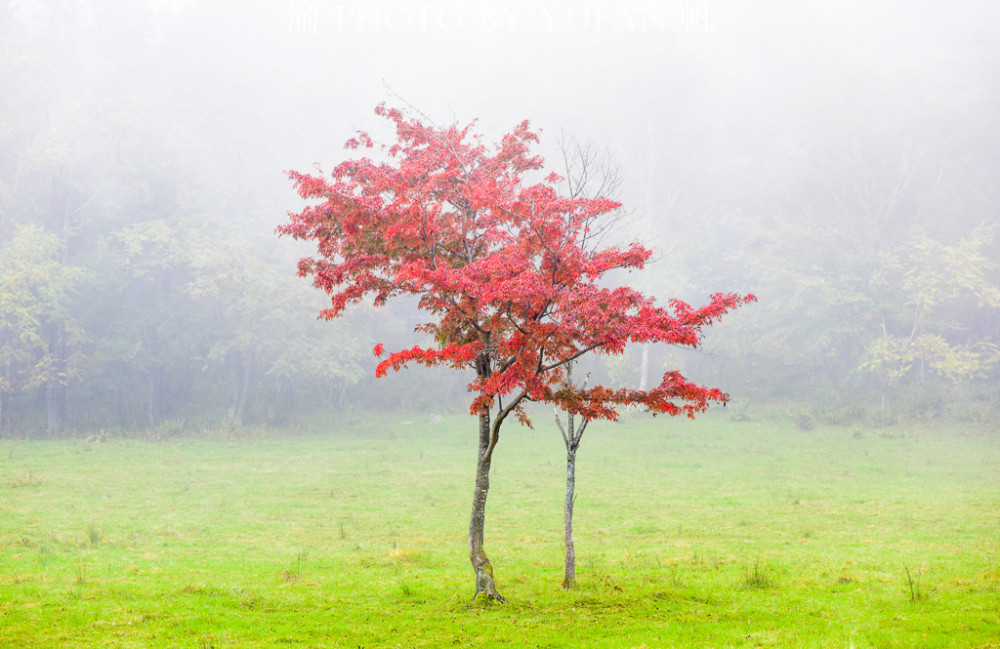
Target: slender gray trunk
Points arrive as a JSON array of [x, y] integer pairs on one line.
[[243, 389], [485, 581], [6, 376], [571, 437], [55, 389], [285, 402], [120, 405], [156, 406], [342, 397], [54, 406], [569, 575], [153, 403]]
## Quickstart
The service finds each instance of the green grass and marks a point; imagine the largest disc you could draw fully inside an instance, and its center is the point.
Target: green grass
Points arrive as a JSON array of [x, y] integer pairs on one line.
[[689, 534]]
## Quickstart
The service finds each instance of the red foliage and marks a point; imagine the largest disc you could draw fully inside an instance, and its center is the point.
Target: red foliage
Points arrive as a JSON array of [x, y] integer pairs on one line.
[[503, 268]]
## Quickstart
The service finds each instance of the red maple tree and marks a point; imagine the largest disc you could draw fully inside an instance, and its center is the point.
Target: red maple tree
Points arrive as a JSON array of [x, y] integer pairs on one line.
[[506, 271]]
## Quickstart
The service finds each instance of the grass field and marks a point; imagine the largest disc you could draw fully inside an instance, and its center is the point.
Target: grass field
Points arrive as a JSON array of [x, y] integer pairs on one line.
[[689, 534]]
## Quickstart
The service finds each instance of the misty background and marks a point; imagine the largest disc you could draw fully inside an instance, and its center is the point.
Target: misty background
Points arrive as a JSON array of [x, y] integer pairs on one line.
[[838, 160]]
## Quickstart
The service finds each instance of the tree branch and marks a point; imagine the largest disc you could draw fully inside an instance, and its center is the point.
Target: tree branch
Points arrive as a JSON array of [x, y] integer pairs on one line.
[[571, 358], [495, 427]]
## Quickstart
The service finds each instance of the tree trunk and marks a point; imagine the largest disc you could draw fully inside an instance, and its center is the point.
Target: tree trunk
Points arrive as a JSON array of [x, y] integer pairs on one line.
[[485, 582], [157, 378], [120, 404], [569, 576], [55, 388], [285, 403], [342, 397], [571, 436], [243, 389], [55, 406]]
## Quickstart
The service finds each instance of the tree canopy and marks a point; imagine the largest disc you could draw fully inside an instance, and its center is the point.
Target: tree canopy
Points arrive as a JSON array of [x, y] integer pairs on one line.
[[502, 266]]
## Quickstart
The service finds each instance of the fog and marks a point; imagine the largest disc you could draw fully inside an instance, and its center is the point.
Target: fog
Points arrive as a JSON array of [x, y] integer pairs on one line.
[[839, 160]]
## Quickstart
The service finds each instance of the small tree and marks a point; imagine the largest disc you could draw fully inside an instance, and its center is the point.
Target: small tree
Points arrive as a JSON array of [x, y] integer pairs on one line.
[[588, 174], [572, 435], [499, 266]]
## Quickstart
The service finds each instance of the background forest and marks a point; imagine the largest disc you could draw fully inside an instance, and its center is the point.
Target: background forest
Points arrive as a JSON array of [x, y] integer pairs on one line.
[[840, 162]]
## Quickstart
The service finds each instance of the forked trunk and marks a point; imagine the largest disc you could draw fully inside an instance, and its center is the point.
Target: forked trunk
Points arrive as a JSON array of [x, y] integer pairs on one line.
[[486, 588]]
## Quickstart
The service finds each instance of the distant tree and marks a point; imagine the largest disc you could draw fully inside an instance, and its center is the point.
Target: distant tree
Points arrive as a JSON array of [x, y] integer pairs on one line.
[[39, 336], [243, 294], [148, 338], [918, 331], [500, 267], [262, 326]]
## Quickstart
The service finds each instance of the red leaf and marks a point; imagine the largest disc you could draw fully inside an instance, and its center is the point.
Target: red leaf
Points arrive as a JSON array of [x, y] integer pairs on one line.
[[498, 266]]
